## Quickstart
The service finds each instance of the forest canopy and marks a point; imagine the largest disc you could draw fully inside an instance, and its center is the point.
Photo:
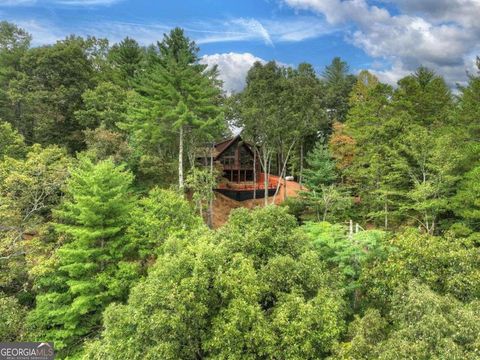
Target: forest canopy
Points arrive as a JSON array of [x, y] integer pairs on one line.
[[107, 246]]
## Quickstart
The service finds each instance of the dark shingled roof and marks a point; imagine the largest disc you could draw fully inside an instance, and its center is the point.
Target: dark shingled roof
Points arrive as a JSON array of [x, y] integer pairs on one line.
[[224, 145]]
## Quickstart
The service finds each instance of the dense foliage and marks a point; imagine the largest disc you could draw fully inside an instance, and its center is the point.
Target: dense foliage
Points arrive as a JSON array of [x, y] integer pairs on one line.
[[106, 240], [254, 290]]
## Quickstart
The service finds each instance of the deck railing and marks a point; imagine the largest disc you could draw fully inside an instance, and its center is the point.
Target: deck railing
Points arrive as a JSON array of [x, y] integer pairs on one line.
[[248, 185]]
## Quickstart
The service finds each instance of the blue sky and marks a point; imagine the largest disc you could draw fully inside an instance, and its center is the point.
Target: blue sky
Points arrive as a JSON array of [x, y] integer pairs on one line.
[[389, 37]]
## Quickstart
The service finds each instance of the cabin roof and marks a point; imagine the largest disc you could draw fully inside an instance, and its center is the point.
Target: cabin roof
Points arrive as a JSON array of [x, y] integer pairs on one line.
[[222, 146]]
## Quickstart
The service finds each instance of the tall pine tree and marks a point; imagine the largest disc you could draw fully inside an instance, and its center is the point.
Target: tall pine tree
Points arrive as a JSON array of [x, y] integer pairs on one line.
[[95, 263], [178, 96], [338, 84]]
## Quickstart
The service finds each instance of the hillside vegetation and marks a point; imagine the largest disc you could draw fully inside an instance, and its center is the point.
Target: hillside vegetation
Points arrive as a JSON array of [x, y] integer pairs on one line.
[[103, 252]]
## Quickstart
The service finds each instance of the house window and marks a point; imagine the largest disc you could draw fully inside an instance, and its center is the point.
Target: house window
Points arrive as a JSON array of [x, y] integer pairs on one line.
[[246, 159], [228, 158]]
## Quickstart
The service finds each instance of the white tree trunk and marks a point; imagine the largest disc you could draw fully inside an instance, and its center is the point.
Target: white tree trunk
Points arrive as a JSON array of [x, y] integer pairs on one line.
[[282, 173], [210, 202], [265, 177], [180, 160], [301, 165], [254, 173]]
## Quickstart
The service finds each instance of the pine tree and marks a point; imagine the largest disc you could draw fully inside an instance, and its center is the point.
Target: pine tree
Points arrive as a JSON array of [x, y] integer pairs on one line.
[[94, 264], [338, 86], [127, 59], [373, 126], [178, 96], [321, 167], [425, 96], [323, 195]]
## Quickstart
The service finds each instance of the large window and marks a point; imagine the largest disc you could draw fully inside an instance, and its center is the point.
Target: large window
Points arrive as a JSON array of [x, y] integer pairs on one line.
[[228, 157], [246, 158]]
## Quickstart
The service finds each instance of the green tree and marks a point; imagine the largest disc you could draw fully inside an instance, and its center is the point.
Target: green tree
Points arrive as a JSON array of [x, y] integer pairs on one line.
[[254, 290], [373, 126], [424, 325], [407, 156], [322, 169], [349, 253], [12, 319], [103, 144], [158, 216], [14, 43], [49, 91], [323, 195], [445, 264], [425, 96], [429, 160], [178, 97], [29, 189], [466, 202], [338, 84], [11, 142], [106, 106], [201, 182], [127, 59], [466, 115], [265, 117], [94, 264], [306, 96]]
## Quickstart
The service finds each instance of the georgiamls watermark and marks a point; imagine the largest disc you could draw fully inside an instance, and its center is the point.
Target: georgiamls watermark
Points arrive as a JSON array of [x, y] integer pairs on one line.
[[27, 351]]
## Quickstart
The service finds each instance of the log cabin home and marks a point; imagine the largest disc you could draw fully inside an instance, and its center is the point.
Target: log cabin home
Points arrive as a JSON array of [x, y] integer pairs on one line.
[[235, 160]]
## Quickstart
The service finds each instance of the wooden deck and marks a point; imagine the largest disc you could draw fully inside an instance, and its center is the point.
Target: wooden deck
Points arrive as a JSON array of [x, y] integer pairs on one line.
[[250, 185]]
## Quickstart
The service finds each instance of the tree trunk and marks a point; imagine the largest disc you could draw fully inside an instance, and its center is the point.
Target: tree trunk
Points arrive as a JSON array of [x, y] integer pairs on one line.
[[283, 172], [212, 195], [265, 177], [325, 212], [386, 215], [180, 160], [280, 162], [301, 165], [254, 173]]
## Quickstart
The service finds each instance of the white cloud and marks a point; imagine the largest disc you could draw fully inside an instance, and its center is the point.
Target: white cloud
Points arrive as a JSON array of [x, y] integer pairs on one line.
[[462, 11], [42, 32], [115, 31], [391, 75], [239, 29], [255, 27], [267, 31], [297, 29], [441, 34], [233, 30], [233, 68]]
